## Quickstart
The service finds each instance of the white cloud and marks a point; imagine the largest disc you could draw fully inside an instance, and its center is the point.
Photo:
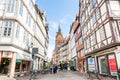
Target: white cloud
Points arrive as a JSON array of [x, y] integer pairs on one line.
[[51, 37], [65, 19], [50, 50], [53, 25]]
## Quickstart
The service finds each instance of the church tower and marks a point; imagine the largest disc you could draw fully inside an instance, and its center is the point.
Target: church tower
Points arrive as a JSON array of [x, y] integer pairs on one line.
[[59, 37]]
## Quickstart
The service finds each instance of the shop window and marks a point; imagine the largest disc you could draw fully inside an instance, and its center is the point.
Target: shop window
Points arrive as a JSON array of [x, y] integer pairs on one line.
[[102, 65], [24, 66], [112, 64], [5, 66], [17, 68]]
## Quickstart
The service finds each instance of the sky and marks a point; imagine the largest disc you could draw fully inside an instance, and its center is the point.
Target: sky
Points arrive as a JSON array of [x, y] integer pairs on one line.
[[58, 12]]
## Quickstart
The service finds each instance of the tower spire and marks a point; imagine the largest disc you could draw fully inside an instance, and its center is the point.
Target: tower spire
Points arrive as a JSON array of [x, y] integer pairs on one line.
[[59, 29]]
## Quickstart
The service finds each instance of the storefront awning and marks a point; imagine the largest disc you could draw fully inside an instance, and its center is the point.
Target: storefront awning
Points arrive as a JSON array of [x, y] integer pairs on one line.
[[18, 60]]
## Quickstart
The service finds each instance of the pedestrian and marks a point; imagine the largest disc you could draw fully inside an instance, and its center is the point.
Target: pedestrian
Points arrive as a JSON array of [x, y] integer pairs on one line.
[[61, 66], [56, 68], [51, 70]]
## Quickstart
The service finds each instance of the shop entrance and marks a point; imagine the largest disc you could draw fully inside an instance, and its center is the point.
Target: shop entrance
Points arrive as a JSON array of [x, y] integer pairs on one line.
[[4, 67]]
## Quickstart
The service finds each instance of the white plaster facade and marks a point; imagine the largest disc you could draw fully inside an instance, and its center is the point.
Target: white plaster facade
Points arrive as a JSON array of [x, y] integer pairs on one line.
[[22, 27]]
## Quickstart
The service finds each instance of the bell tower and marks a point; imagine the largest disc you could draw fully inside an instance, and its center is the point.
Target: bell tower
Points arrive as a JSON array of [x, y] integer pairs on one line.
[[59, 37]]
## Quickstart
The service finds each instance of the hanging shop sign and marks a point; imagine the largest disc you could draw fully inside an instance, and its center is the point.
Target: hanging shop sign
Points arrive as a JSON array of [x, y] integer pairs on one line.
[[91, 64], [112, 64], [7, 54]]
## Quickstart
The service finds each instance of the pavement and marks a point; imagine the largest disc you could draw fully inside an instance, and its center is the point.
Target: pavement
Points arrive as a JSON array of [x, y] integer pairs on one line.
[[68, 75], [6, 78]]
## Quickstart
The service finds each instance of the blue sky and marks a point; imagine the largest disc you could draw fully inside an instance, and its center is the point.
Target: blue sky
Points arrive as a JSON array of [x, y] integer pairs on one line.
[[61, 12]]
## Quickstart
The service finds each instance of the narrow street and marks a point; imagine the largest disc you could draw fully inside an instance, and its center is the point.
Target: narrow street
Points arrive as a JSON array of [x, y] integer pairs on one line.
[[69, 75]]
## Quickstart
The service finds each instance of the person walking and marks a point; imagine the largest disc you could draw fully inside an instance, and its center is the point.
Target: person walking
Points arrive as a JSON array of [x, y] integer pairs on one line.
[[61, 66], [54, 68]]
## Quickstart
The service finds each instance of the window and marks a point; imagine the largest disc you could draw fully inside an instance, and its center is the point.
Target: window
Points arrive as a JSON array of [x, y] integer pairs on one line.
[[97, 13], [7, 28], [94, 18], [26, 38], [94, 2], [30, 5], [118, 24], [17, 31], [91, 22], [102, 65], [85, 29], [27, 17], [93, 39], [81, 41], [85, 44], [29, 23], [91, 5], [21, 9], [10, 7], [102, 33], [79, 29], [88, 42], [76, 44], [28, 20]]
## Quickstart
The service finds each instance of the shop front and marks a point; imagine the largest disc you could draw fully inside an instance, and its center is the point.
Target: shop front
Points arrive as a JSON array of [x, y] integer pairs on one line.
[[104, 63], [4, 67], [23, 64], [7, 63], [107, 65]]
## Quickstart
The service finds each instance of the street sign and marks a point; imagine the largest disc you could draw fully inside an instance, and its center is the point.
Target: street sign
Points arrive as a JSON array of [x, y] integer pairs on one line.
[[34, 50], [91, 64], [91, 60]]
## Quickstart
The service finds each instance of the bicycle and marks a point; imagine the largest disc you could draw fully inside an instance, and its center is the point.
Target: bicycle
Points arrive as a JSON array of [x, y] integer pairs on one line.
[[88, 75], [96, 74], [33, 74]]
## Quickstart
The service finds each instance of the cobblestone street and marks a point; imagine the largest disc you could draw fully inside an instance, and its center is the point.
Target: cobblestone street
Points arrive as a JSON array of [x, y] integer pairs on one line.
[[59, 76]]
